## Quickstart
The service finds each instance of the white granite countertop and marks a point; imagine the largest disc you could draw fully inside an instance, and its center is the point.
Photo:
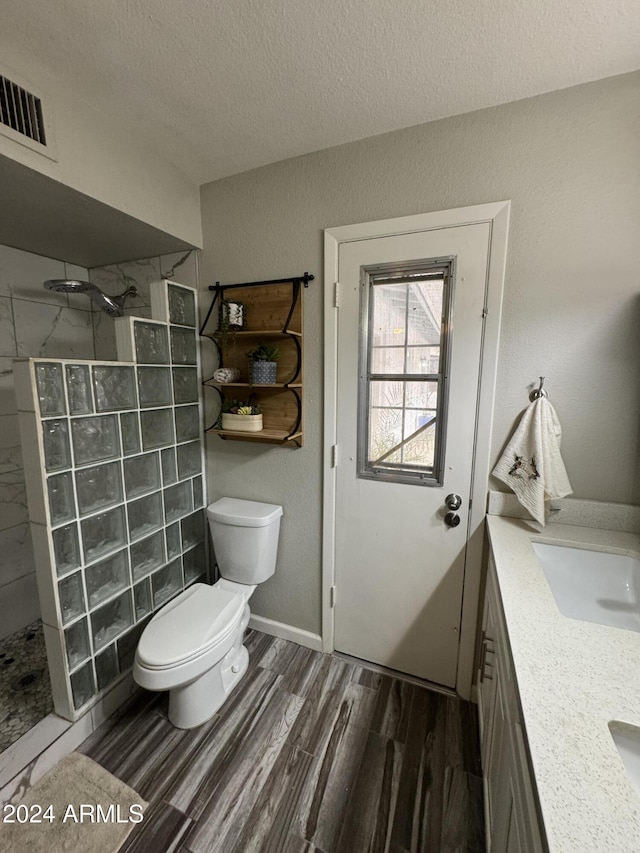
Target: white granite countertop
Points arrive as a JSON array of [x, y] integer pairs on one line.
[[573, 678]]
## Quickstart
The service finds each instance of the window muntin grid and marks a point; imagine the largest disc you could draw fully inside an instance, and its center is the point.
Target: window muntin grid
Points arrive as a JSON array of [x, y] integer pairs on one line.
[[404, 353]]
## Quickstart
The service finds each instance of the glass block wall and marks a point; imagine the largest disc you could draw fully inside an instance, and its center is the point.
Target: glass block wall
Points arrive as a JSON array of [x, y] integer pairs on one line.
[[114, 471]]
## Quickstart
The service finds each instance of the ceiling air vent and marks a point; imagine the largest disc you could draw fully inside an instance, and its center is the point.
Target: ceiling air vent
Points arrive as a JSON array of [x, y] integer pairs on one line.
[[21, 111]]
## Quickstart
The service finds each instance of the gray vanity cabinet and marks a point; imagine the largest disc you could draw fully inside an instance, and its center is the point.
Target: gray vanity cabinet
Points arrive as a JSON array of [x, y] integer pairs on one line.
[[512, 824]]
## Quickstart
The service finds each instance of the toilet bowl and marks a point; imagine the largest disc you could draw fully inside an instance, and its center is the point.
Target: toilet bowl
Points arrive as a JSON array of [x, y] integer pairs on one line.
[[193, 647]]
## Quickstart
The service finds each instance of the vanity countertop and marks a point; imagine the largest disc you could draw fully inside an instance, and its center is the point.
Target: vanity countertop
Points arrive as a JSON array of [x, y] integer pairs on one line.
[[573, 679]]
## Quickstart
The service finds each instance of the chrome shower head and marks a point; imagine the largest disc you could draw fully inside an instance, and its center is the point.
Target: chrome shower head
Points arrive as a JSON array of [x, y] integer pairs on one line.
[[64, 285], [111, 305]]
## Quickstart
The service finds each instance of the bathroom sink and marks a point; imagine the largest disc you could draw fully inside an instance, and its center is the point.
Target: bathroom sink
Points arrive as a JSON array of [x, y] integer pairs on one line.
[[593, 586], [627, 741]]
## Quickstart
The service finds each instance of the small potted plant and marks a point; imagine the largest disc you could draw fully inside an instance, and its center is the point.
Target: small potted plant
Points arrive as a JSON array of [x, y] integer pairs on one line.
[[263, 364], [241, 417]]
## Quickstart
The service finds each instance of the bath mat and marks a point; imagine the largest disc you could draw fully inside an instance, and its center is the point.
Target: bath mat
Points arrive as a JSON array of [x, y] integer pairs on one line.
[[90, 811]]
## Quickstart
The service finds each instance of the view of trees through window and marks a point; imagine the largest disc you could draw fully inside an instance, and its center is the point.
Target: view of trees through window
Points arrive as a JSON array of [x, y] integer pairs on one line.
[[404, 372]]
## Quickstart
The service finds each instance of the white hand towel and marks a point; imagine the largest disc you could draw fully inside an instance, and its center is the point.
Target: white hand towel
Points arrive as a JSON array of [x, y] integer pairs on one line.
[[532, 465]]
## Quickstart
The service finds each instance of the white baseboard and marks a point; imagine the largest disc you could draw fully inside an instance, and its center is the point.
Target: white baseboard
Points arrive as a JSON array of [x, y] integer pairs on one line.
[[286, 632]]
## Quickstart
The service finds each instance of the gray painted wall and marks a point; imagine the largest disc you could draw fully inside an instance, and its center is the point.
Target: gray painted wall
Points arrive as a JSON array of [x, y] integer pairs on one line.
[[569, 161]]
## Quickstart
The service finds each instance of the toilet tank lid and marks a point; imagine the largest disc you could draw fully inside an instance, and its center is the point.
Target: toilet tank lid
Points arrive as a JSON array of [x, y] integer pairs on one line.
[[243, 513]]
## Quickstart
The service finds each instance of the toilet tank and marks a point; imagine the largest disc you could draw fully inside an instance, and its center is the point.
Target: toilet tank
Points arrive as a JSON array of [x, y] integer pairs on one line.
[[245, 538]]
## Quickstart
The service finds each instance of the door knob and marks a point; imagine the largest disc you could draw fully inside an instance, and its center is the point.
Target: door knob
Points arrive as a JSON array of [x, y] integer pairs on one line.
[[452, 519], [453, 501]]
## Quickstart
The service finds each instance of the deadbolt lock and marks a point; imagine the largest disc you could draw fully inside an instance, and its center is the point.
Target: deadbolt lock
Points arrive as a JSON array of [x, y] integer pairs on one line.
[[453, 501]]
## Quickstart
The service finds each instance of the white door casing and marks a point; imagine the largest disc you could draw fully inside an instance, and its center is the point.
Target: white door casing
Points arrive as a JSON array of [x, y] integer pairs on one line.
[[492, 223]]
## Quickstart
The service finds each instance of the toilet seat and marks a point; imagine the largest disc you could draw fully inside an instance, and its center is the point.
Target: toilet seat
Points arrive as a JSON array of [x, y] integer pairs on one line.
[[189, 626]]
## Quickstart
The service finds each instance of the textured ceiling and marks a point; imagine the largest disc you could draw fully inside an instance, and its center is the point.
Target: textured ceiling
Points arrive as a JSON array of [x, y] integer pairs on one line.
[[221, 86]]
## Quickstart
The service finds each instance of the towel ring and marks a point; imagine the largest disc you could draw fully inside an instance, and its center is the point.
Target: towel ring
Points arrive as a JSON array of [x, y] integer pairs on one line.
[[539, 391]]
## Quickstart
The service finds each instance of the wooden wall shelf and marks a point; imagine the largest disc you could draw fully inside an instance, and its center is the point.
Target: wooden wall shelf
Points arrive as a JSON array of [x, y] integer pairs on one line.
[[266, 436], [273, 309], [255, 333], [222, 385]]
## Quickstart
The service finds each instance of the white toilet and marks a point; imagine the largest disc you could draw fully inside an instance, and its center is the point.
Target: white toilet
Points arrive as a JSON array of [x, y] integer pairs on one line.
[[193, 645]]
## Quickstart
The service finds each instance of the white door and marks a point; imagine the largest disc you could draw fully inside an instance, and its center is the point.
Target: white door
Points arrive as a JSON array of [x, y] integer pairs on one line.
[[410, 330]]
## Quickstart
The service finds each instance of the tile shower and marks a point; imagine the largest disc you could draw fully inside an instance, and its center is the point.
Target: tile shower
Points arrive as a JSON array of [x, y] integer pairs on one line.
[[113, 458], [33, 322]]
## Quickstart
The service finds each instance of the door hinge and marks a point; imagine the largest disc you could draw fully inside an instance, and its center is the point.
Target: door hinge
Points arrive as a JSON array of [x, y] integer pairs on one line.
[[336, 294], [334, 455], [332, 597], [485, 311]]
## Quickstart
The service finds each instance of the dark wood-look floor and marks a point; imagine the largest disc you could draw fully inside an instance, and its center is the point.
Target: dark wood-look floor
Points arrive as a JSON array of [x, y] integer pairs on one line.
[[309, 753]]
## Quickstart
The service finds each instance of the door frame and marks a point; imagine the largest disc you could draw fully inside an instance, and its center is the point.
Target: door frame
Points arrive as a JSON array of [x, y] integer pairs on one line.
[[497, 215]]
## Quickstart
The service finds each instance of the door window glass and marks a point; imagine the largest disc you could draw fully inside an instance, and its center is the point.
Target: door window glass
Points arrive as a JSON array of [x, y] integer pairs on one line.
[[403, 358]]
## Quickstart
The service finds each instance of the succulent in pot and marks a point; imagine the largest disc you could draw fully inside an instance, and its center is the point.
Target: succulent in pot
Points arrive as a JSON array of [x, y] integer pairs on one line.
[[241, 417], [263, 364]]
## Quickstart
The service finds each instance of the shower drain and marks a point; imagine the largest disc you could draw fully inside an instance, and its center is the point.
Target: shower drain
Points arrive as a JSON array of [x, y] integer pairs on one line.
[[27, 680]]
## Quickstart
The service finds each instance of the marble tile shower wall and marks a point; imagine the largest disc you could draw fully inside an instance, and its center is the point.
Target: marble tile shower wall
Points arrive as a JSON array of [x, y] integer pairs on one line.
[[115, 480], [33, 323], [116, 278]]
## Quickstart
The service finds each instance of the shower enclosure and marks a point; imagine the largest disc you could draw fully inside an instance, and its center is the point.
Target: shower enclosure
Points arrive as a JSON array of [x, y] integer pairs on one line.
[[114, 472]]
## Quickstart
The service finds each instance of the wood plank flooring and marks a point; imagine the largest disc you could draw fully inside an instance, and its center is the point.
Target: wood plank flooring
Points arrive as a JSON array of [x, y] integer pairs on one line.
[[309, 753]]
